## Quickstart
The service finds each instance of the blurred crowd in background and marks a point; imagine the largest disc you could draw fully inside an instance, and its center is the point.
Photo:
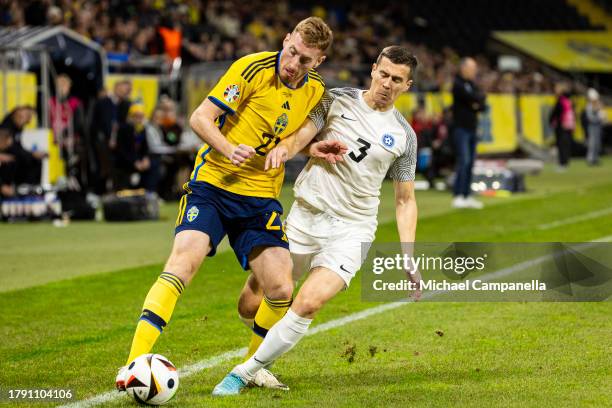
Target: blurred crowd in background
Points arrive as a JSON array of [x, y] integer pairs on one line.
[[113, 146], [109, 143], [201, 31]]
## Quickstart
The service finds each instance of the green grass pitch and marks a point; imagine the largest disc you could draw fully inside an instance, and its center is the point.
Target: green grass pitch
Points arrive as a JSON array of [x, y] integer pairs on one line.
[[70, 297]]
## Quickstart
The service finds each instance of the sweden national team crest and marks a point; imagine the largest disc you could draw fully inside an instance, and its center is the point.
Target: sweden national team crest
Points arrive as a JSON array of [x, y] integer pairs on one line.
[[281, 123], [192, 213], [388, 140], [232, 93]]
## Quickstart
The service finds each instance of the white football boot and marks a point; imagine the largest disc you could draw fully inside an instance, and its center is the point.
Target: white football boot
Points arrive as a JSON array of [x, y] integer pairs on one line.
[[264, 378], [120, 379]]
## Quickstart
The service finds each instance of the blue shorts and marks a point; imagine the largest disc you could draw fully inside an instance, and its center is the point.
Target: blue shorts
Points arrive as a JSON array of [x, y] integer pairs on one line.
[[249, 222]]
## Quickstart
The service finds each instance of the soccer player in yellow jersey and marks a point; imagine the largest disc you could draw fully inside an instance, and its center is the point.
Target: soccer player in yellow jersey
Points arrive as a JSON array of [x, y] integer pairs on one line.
[[261, 99]]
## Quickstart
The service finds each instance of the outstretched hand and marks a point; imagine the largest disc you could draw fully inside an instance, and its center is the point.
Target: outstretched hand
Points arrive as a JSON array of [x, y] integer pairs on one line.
[[276, 157], [329, 150], [415, 278]]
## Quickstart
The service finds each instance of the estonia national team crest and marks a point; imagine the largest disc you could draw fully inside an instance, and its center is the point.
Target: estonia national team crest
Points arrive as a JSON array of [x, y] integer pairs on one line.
[[281, 123], [232, 93], [192, 213], [388, 140]]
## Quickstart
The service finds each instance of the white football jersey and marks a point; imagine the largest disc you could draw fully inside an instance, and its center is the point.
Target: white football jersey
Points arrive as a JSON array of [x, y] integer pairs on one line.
[[378, 143]]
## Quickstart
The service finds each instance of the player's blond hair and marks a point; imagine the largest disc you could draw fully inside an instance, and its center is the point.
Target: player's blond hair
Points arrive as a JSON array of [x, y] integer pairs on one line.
[[315, 33]]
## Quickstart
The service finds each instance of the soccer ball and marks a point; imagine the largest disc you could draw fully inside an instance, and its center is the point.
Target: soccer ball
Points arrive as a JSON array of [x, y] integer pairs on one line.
[[151, 379]]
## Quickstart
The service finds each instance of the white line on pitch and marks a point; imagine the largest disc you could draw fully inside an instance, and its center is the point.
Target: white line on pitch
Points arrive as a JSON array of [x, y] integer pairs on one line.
[[332, 324], [222, 358], [575, 219]]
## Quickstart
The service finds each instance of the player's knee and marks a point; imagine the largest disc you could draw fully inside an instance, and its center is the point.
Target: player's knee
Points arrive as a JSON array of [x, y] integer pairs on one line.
[[248, 303], [307, 307], [183, 264], [280, 290], [246, 311]]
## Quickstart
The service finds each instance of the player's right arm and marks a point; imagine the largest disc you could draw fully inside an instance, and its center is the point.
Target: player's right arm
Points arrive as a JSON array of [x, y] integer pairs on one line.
[[226, 98], [202, 121]]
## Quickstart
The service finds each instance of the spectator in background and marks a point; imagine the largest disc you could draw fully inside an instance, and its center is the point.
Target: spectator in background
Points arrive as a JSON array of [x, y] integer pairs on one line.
[[55, 16], [172, 36], [17, 119], [68, 123], [225, 30], [109, 114], [468, 100], [171, 128], [172, 132], [595, 117], [132, 154], [155, 138], [28, 165], [423, 127], [441, 146], [162, 155], [563, 120], [7, 164]]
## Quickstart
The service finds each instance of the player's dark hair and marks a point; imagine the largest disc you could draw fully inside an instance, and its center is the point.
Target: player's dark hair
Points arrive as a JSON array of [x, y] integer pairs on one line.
[[399, 55]]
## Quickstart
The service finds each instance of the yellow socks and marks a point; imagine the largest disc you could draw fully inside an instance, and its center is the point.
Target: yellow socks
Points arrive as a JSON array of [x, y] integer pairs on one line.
[[156, 312], [269, 312]]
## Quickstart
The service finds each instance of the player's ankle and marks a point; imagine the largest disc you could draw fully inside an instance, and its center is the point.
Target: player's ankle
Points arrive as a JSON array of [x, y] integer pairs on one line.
[[243, 373]]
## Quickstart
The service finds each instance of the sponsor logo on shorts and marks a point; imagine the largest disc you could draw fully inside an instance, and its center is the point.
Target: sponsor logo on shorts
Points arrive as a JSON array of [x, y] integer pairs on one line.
[[192, 214], [345, 270]]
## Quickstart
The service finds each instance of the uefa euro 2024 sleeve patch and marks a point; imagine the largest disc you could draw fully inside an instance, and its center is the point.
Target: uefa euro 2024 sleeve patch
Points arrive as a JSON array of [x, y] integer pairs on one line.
[[232, 93]]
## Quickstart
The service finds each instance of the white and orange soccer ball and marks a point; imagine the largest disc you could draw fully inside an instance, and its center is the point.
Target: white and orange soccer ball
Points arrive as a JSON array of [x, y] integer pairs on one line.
[[151, 379]]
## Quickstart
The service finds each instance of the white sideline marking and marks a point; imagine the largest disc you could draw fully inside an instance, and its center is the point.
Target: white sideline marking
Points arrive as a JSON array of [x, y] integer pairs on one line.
[[575, 219], [332, 324], [222, 358]]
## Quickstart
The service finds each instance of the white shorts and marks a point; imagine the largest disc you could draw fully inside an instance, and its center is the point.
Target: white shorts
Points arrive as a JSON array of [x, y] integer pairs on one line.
[[318, 239]]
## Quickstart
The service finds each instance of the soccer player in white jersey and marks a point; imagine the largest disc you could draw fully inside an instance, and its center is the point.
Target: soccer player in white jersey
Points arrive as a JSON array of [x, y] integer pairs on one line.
[[336, 205]]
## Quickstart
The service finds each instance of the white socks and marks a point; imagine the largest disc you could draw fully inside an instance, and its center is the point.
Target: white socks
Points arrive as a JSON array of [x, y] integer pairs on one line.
[[280, 339]]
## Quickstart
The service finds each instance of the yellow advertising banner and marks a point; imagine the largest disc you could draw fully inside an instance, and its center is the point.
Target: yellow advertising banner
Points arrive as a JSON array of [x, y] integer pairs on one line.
[[567, 50], [535, 111], [20, 90], [197, 90], [497, 129]]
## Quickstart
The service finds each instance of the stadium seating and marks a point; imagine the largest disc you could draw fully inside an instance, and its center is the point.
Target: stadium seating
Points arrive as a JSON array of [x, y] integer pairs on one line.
[[478, 18]]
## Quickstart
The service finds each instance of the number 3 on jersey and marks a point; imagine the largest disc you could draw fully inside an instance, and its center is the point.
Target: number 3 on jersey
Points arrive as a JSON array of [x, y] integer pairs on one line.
[[363, 151]]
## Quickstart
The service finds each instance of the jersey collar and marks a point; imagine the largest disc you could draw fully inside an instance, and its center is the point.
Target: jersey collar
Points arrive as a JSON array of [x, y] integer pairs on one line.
[[278, 57]]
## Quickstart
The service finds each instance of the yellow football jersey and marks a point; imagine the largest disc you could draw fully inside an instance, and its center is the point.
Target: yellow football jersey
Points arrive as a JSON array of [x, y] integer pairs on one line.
[[260, 111]]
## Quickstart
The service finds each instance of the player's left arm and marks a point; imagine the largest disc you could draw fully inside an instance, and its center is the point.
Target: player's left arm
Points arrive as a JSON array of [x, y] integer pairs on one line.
[[406, 216], [403, 173], [405, 210]]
